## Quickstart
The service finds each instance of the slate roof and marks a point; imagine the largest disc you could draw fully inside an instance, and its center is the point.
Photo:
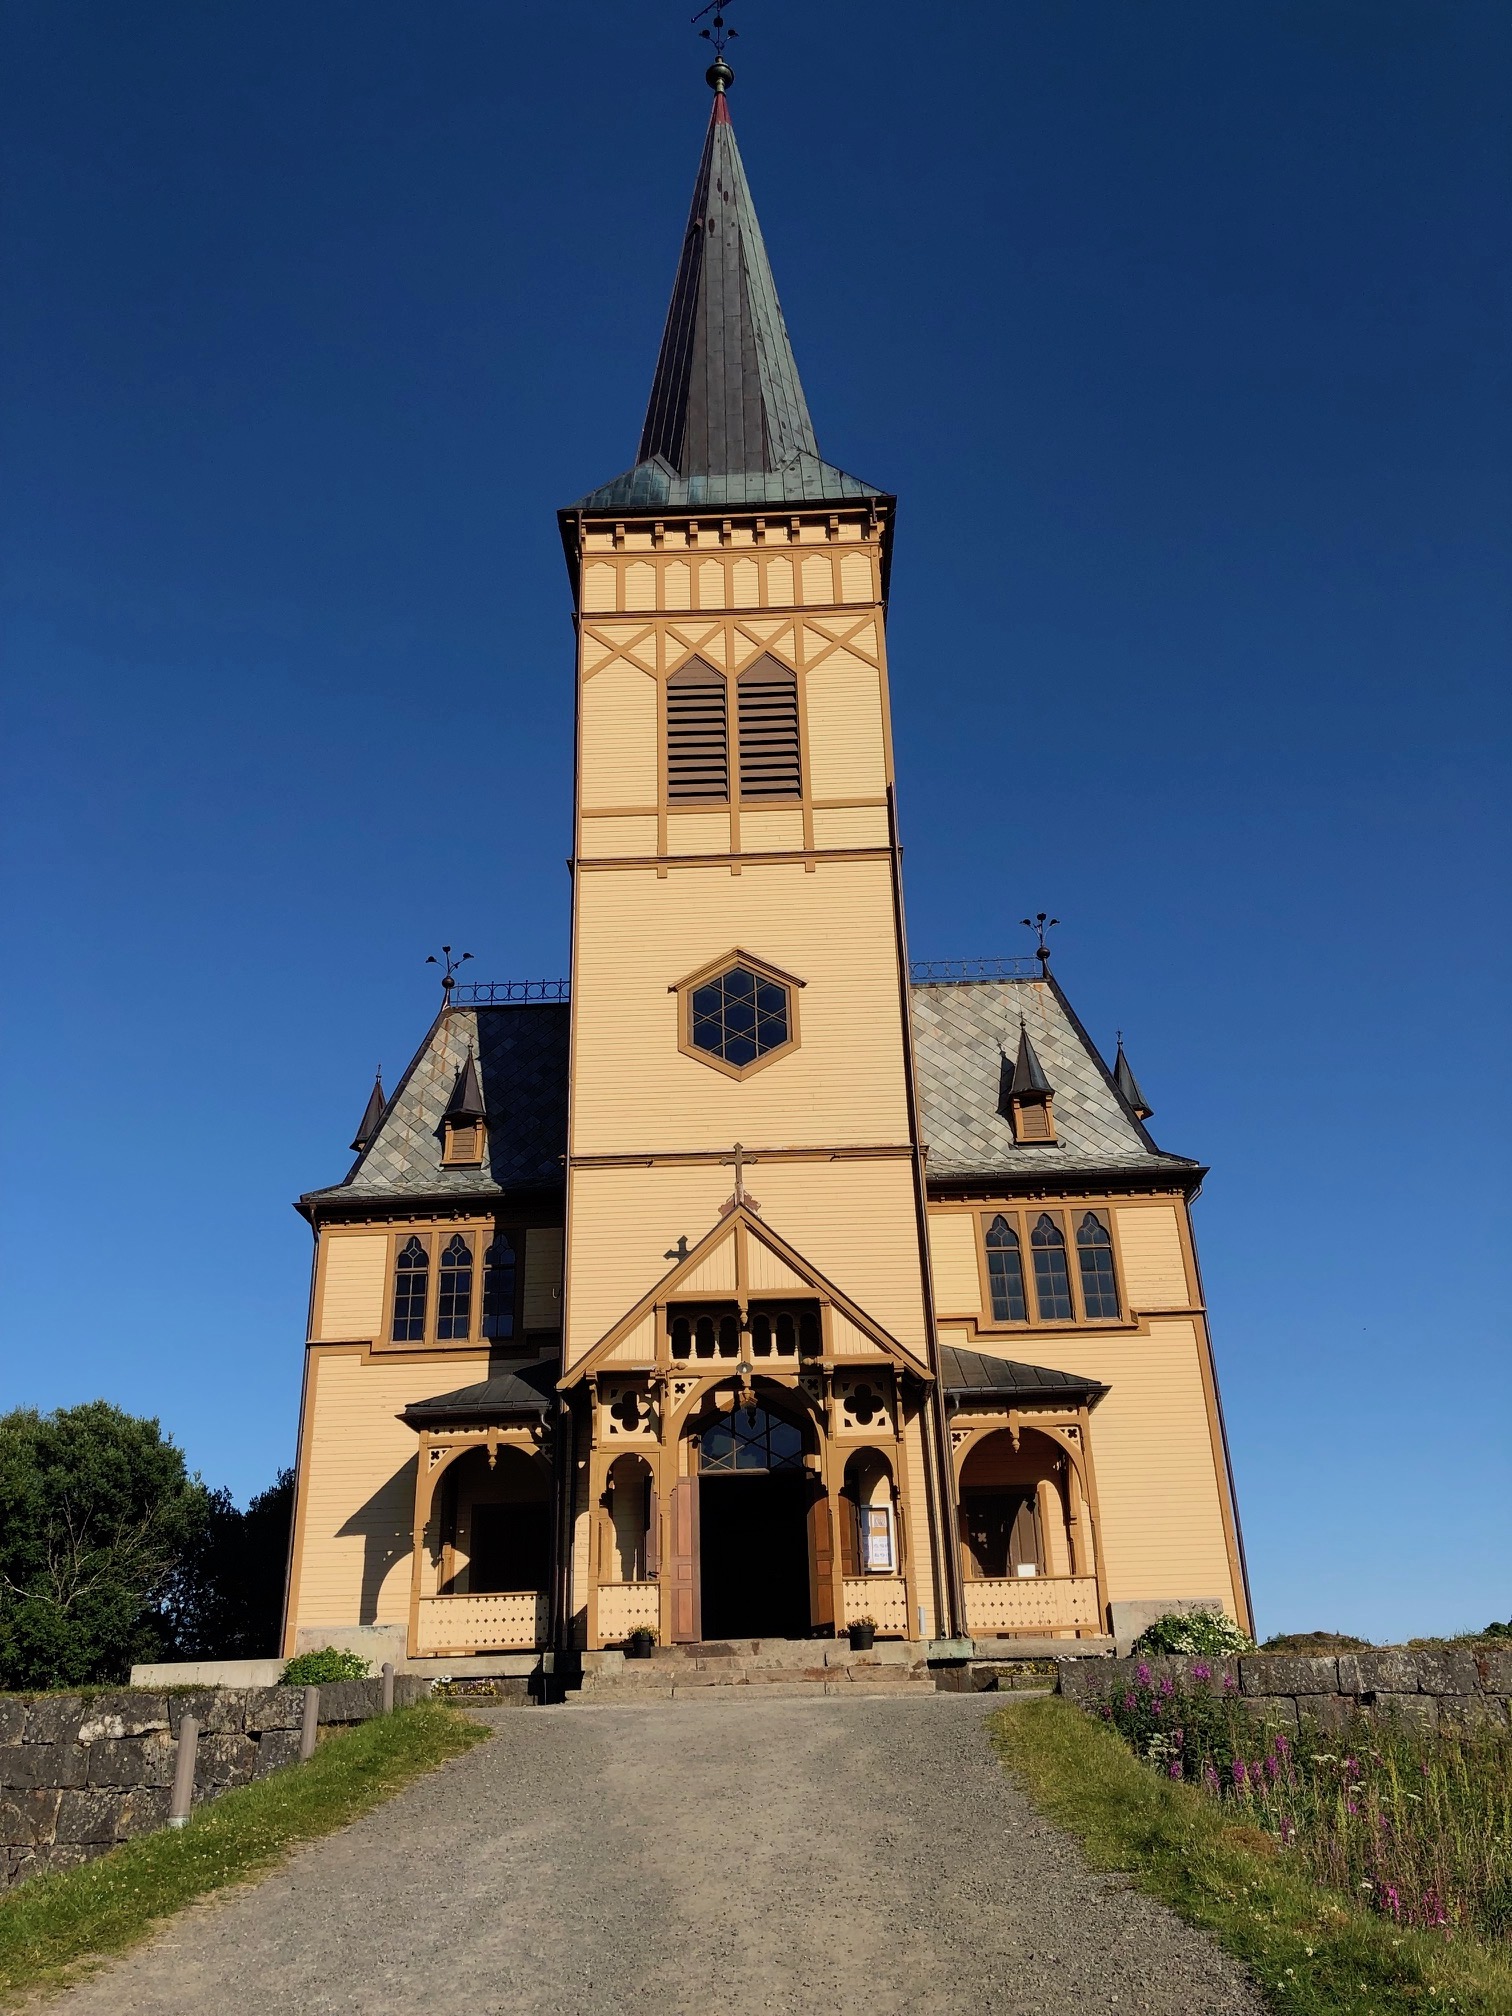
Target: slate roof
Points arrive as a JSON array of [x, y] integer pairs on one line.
[[974, 1373], [522, 1062], [521, 1389], [727, 423], [966, 1037]]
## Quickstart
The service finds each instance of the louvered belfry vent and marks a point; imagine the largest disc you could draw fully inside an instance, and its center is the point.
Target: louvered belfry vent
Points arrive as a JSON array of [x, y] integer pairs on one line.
[[769, 758], [698, 736]]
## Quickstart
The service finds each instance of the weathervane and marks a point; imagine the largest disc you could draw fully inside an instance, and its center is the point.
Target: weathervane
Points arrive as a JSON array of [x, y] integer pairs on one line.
[[449, 979], [718, 73], [1039, 923]]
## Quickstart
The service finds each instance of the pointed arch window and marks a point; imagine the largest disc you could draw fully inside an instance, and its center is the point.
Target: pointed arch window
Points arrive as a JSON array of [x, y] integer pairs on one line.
[[454, 1298], [1052, 1279], [698, 735], [767, 714], [1094, 1253], [1005, 1273], [411, 1289], [499, 1288]]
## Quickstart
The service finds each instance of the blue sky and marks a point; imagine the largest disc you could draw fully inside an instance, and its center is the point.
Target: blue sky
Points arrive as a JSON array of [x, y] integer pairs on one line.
[[1181, 332]]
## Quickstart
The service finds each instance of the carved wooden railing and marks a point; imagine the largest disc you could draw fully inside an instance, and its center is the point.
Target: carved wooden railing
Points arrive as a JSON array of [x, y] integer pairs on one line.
[[883, 1598], [1032, 1603], [624, 1607], [515, 1621]]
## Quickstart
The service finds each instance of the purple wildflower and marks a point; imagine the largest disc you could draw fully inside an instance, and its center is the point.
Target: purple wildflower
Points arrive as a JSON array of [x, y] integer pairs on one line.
[[1142, 1674], [1202, 1671], [1241, 1772], [1173, 1770]]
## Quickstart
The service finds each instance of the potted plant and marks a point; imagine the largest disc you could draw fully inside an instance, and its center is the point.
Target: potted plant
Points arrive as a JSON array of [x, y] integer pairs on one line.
[[640, 1643], [862, 1632]]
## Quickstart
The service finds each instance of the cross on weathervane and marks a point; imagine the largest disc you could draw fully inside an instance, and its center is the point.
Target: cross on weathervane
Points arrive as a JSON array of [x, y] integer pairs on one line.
[[741, 1195], [1040, 924]]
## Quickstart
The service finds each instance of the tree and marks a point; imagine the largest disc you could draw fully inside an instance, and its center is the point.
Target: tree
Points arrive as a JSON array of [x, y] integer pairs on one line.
[[97, 1512], [225, 1599]]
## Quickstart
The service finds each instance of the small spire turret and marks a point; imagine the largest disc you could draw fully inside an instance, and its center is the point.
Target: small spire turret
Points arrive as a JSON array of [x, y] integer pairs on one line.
[[1128, 1085], [373, 1113]]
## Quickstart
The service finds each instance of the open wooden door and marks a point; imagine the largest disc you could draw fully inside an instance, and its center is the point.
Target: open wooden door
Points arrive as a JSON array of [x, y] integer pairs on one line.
[[687, 1618], [821, 1550]]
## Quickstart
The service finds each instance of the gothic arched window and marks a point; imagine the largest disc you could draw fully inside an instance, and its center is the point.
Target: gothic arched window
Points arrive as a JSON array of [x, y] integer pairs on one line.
[[499, 1289], [1005, 1273], [411, 1287], [1094, 1252], [454, 1299], [1052, 1280]]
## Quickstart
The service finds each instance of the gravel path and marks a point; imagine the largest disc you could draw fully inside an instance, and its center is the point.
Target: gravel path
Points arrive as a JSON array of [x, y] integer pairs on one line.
[[736, 1856]]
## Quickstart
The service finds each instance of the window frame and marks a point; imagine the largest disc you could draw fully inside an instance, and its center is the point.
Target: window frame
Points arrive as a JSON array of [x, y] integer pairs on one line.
[[714, 970], [480, 1232], [1022, 1216]]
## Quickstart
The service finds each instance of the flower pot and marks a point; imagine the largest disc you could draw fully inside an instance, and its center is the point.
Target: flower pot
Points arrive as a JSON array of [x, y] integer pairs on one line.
[[639, 1648], [862, 1637]]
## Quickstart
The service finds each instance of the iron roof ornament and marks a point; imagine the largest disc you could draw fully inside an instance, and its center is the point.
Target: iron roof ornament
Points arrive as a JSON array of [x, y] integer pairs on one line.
[[449, 978], [1039, 923]]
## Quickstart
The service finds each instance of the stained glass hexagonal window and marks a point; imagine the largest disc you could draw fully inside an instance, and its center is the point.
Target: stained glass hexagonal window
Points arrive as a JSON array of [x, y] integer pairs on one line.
[[738, 1014]]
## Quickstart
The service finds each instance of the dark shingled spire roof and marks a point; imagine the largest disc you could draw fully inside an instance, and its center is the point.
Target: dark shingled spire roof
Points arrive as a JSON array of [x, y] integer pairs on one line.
[[466, 1102], [727, 422], [1128, 1085], [1028, 1072], [372, 1114]]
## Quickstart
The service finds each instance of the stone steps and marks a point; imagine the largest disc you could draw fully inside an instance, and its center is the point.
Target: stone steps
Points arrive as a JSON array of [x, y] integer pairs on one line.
[[772, 1666]]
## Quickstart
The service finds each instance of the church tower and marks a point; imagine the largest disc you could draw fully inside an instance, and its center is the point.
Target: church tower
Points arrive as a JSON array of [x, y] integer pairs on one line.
[[753, 1283], [739, 973]]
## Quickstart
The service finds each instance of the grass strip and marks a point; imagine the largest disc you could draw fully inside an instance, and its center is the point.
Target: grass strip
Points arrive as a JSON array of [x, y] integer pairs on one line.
[[1313, 1951], [55, 1926]]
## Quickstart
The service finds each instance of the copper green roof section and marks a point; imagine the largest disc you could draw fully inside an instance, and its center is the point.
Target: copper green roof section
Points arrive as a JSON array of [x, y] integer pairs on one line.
[[727, 423]]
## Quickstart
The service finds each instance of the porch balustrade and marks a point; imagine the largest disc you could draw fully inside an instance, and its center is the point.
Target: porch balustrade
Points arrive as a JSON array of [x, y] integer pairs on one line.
[[624, 1607], [883, 1598], [514, 1621], [1002, 1606]]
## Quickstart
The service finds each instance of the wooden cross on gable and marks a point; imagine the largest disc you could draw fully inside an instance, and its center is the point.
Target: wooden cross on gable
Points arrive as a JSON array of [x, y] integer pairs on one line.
[[740, 1195]]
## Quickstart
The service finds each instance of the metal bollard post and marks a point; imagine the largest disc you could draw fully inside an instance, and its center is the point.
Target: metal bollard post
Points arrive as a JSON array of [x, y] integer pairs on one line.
[[388, 1686], [183, 1773], [310, 1724]]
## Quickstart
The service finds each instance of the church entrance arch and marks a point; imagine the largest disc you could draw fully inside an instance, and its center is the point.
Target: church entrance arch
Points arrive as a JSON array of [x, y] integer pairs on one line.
[[756, 1519]]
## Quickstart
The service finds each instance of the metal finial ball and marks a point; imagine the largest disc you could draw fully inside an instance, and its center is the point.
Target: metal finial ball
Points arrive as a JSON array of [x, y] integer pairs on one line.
[[719, 76]]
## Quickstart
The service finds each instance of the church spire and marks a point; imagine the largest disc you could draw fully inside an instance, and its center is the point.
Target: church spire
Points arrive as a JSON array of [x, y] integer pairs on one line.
[[373, 1113], [727, 422]]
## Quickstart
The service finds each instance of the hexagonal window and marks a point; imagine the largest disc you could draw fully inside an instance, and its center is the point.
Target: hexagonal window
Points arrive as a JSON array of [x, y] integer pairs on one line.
[[738, 1014]]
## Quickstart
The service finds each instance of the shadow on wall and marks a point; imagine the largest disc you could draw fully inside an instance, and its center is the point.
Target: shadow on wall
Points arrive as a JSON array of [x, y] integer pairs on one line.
[[384, 1524]]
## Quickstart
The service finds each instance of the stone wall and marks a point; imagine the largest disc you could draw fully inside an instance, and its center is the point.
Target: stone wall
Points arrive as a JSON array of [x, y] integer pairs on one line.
[[80, 1772], [1449, 1687]]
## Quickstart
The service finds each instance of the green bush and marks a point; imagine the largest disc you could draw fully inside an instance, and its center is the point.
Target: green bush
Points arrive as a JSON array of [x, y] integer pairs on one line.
[[1205, 1634], [314, 1669]]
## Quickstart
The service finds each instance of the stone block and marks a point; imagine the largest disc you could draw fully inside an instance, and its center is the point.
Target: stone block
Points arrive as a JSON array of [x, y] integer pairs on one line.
[[1326, 1714], [53, 1718], [196, 1701], [1132, 1618], [412, 1687], [1419, 1711], [1471, 1713], [1378, 1672], [1277, 1711], [224, 1760], [350, 1700], [1283, 1673], [143, 1811], [275, 1748], [131, 1760], [12, 1718], [1447, 1669], [227, 1715], [89, 1816], [1494, 1665], [68, 1855], [277, 1708], [23, 1765], [126, 1712], [28, 1819]]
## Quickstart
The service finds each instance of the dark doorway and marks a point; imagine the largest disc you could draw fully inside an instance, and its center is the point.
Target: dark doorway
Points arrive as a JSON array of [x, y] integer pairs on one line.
[[753, 1530], [511, 1548]]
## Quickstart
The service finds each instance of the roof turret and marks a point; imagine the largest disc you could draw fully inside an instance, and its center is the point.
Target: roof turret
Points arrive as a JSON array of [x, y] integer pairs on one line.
[[1028, 1072], [1128, 1085], [372, 1114], [466, 1102]]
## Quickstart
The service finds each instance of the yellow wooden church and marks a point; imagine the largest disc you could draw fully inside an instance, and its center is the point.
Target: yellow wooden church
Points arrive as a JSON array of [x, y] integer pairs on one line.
[[753, 1282]]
